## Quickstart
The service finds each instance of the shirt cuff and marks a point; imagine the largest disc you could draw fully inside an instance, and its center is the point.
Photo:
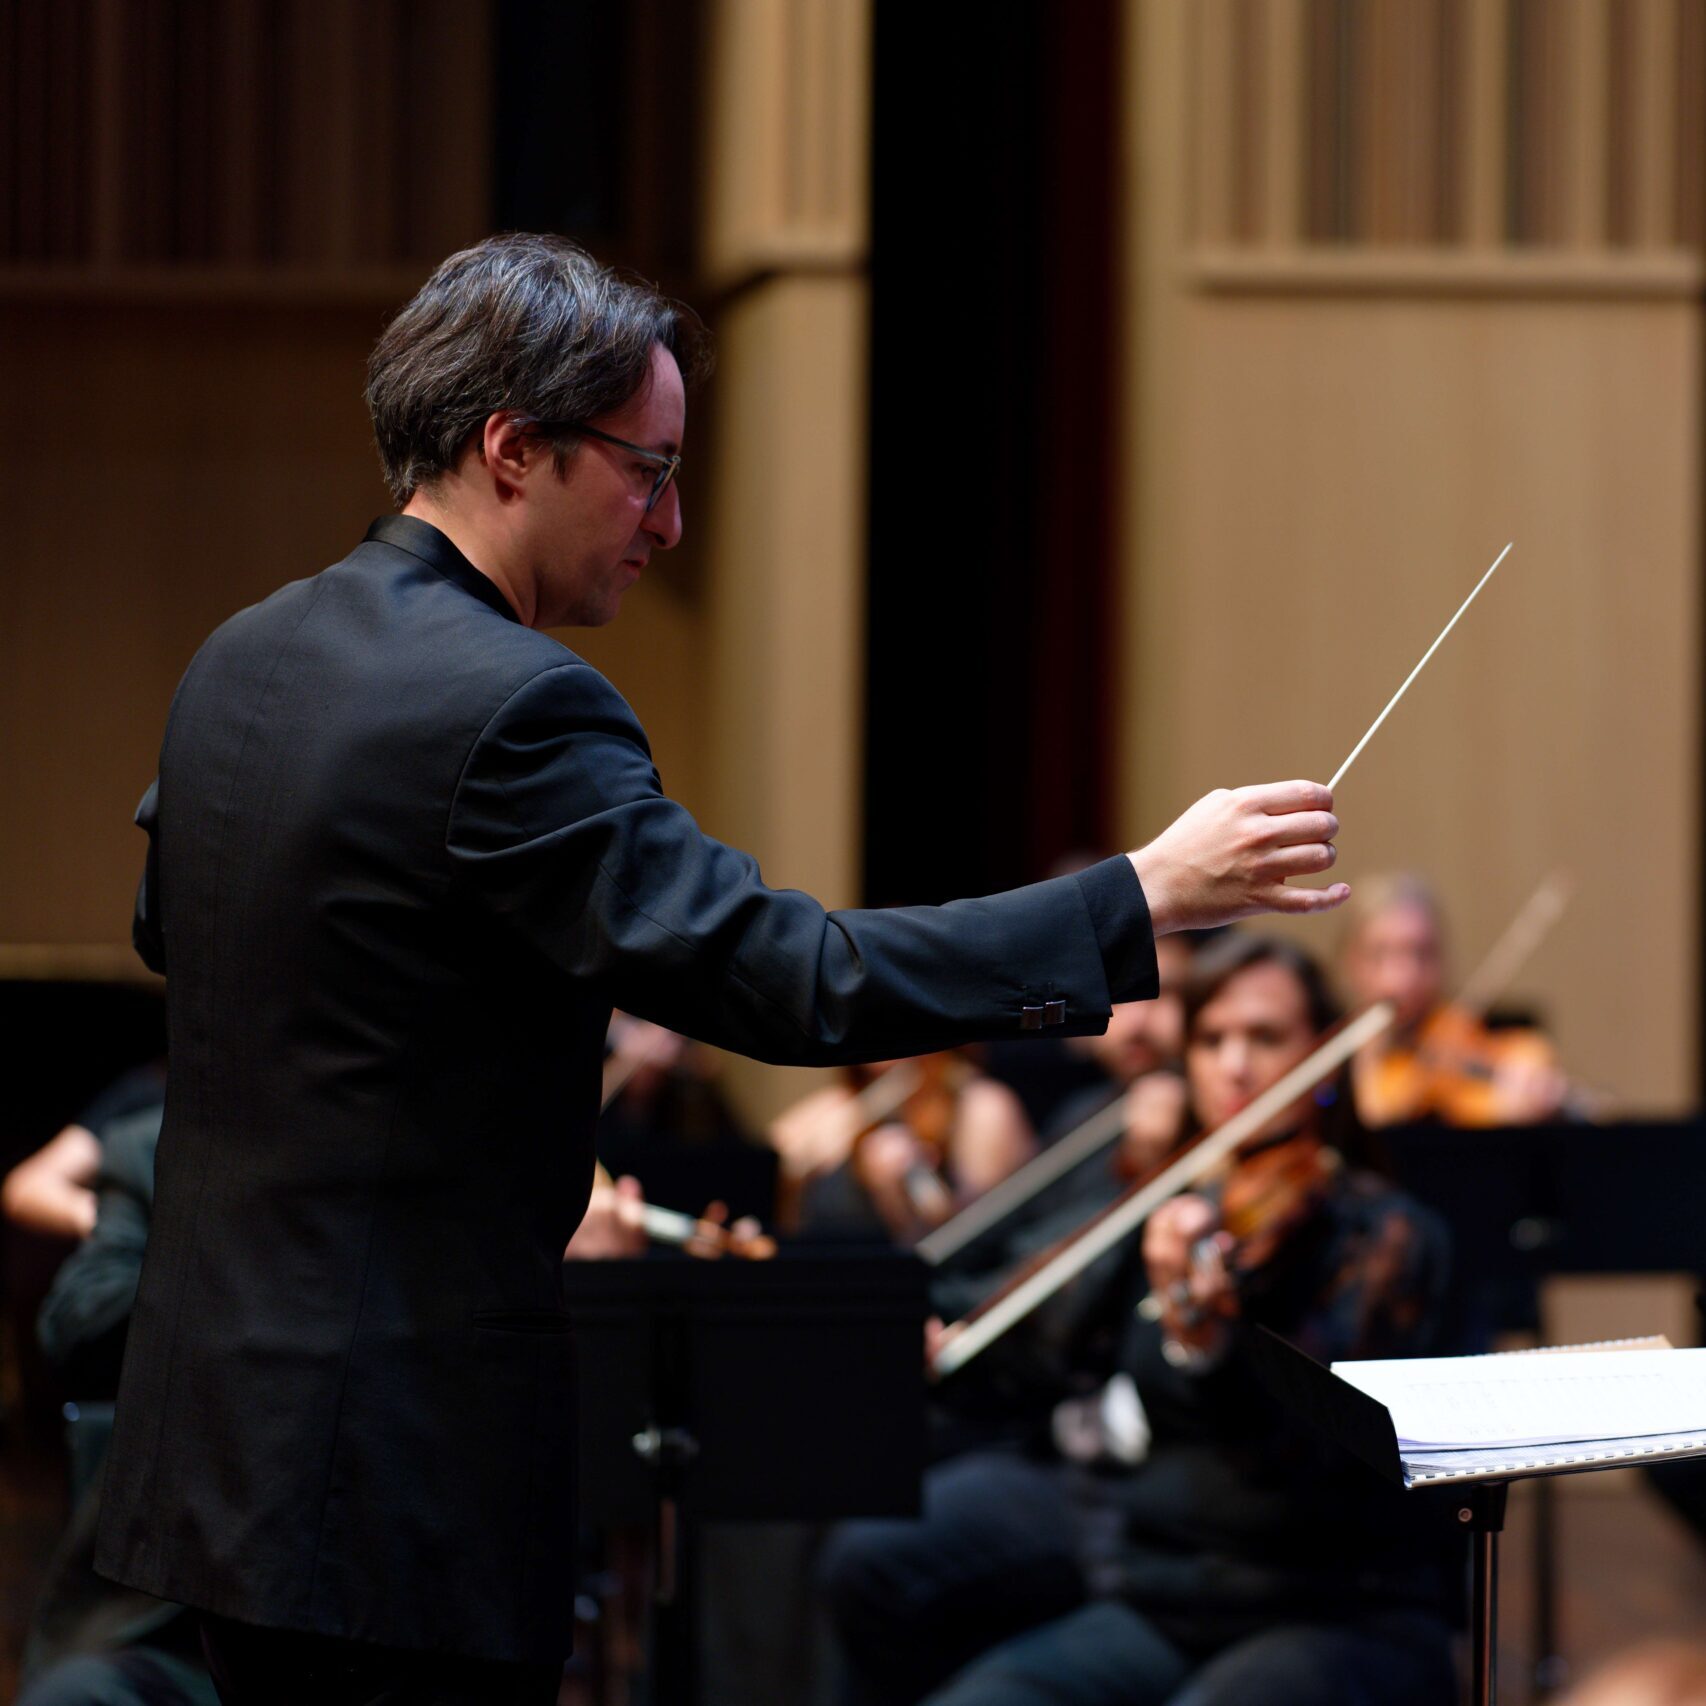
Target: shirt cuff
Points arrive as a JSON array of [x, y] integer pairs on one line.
[[1120, 915]]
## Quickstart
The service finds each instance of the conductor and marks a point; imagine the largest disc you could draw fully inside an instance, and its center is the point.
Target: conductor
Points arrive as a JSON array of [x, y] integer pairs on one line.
[[405, 852]]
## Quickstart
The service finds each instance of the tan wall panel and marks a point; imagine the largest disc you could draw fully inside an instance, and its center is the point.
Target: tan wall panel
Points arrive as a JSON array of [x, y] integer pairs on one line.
[[785, 581], [159, 469], [1343, 471]]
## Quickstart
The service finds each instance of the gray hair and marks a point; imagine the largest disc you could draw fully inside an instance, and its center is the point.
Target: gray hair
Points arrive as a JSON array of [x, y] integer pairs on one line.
[[522, 322]]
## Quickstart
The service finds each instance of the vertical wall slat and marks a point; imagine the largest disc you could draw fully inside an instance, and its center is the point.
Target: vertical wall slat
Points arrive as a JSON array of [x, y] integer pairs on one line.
[[151, 185], [373, 201], [1214, 50], [1327, 88], [1418, 151], [1621, 120], [1689, 90], [1283, 95], [1446, 216], [1585, 118], [1249, 41], [1366, 166], [1652, 136], [239, 72], [195, 53], [30, 160], [850, 138], [64, 166], [8, 130], [106, 132], [1485, 156], [454, 159]]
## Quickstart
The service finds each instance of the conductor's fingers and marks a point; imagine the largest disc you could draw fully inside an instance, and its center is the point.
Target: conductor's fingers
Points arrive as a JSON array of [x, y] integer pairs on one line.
[[1304, 861], [1281, 898], [1295, 827], [1279, 798]]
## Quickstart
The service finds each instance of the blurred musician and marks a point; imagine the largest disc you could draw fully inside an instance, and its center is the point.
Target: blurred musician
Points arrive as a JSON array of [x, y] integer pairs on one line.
[[1177, 1538], [53, 1190], [1441, 1061], [1139, 1055], [893, 1149]]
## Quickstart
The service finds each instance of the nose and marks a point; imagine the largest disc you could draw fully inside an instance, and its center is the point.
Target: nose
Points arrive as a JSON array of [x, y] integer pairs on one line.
[[663, 520], [1235, 1060]]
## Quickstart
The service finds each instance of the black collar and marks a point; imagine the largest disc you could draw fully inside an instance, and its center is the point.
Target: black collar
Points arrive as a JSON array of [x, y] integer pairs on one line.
[[421, 539]]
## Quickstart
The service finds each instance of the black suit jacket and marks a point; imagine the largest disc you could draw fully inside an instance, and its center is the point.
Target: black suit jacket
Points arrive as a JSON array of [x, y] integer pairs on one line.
[[405, 853]]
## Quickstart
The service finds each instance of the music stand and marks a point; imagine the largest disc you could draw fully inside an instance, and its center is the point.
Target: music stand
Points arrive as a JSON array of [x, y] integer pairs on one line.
[[1363, 1426], [1531, 1202], [783, 1390]]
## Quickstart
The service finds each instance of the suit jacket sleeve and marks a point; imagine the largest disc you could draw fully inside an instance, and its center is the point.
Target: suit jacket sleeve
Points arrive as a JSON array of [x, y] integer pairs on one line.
[[560, 830]]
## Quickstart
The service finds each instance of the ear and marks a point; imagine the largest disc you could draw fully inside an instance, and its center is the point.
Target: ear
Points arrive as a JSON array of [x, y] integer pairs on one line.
[[510, 453]]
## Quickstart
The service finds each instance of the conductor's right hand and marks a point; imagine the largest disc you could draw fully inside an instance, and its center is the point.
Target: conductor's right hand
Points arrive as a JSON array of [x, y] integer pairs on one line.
[[1229, 857]]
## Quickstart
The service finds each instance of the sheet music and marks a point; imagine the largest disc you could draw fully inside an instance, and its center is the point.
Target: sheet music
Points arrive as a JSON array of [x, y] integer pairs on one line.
[[1460, 1403], [1504, 1460]]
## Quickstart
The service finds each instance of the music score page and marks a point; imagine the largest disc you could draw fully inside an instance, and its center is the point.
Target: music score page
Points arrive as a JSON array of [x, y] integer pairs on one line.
[[1476, 1403]]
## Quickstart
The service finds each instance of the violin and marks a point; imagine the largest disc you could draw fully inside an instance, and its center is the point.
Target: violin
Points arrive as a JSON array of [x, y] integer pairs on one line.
[[1457, 1069], [929, 1111], [1453, 1066], [1273, 1189], [1271, 1193]]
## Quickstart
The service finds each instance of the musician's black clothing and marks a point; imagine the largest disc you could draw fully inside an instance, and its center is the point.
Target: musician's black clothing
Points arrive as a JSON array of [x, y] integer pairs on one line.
[[1234, 1527], [269, 1667], [405, 854]]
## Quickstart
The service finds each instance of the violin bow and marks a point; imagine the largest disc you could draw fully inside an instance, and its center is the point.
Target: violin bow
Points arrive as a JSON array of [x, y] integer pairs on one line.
[[1036, 1283], [1026, 1182], [1510, 953]]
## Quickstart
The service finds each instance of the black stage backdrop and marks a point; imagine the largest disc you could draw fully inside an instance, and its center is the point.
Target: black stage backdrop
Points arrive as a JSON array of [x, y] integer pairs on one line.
[[994, 471]]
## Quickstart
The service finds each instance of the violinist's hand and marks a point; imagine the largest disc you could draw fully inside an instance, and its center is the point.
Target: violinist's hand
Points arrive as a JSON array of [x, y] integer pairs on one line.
[[614, 1225], [1229, 857], [1184, 1250], [1530, 1091], [904, 1188], [935, 1334]]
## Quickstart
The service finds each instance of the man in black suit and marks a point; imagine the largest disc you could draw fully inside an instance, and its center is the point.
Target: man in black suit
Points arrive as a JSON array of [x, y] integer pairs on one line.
[[405, 853]]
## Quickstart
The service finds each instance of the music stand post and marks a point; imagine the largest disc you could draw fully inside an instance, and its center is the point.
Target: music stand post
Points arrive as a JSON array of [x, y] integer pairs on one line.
[[763, 1391], [1484, 1511]]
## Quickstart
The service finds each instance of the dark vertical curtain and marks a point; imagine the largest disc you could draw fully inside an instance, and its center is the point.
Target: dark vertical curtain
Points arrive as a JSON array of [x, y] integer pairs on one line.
[[994, 471]]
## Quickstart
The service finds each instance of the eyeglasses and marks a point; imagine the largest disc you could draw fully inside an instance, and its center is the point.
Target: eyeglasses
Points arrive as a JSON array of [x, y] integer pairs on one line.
[[666, 465]]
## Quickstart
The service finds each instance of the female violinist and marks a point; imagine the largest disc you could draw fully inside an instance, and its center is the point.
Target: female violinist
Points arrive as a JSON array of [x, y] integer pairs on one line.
[[1182, 1538], [1441, 1061]]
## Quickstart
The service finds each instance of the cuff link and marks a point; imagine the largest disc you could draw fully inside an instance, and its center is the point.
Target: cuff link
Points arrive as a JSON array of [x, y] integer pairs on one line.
[[1034, 1018]]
